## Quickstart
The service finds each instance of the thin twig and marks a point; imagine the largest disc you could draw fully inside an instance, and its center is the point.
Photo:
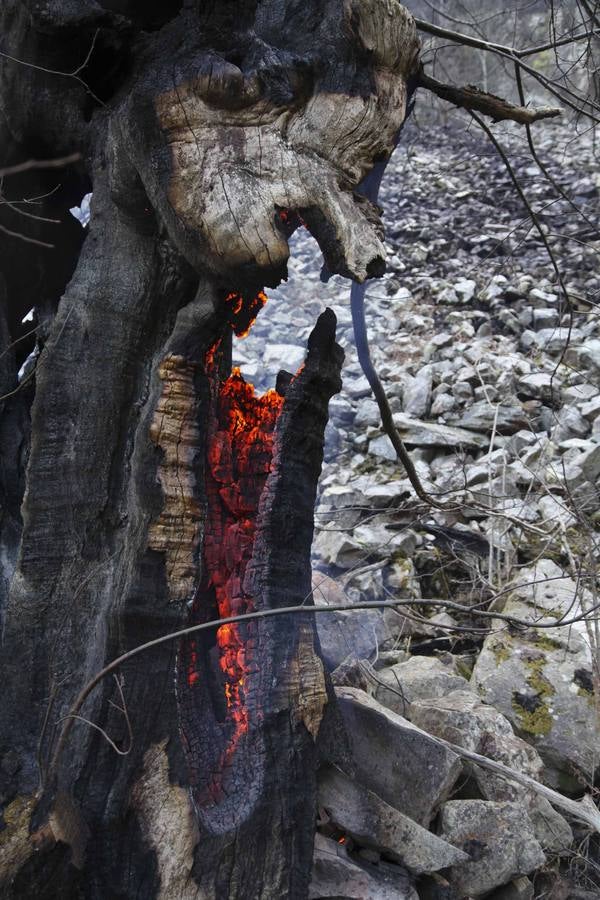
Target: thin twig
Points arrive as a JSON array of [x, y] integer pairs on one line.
[[40, 164], [74, 74]]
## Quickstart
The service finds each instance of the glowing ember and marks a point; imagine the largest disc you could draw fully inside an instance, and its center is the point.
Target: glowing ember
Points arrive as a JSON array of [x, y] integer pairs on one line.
[[244, 312], [239, 452]]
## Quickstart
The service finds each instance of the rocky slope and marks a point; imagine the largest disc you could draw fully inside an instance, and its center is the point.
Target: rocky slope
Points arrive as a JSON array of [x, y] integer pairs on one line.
[[493, 375]]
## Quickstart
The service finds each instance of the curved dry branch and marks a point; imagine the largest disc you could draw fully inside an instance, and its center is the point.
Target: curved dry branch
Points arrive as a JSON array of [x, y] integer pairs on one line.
[[498, 109]]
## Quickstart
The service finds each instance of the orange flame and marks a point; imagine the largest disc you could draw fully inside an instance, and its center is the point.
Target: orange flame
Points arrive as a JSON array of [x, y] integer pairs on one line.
[[239, 452], [242, 312]]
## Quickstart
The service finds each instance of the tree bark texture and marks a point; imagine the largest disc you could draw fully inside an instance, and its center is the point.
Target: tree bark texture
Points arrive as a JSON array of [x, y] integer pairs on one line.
[[143, 486]]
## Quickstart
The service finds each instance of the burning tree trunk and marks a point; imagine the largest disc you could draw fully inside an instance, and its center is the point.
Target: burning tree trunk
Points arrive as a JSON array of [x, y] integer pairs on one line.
[[159, 491]]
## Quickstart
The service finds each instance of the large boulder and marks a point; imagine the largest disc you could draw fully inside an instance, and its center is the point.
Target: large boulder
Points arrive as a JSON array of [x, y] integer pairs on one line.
[[418, 678], [371, 822], [482, 416], [498, 837], [541, 678], [395, 760], [461, 718]]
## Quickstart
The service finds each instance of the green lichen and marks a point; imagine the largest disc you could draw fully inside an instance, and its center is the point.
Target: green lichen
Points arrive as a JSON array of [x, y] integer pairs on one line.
[[543, 642], [465, 667], [501, 653], [589, 695], [536, 720], [539, 722], [537, 680]]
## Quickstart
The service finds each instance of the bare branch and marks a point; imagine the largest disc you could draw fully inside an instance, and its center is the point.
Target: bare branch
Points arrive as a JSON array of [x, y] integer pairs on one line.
[[40, 164], [302, 609], [471, 98]]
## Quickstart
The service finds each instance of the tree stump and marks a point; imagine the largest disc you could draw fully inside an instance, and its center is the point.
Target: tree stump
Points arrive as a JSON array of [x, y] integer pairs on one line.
[[144, 486]]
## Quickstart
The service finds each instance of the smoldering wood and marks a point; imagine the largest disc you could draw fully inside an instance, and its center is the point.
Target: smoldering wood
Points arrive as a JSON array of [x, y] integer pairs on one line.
[[201, 126]]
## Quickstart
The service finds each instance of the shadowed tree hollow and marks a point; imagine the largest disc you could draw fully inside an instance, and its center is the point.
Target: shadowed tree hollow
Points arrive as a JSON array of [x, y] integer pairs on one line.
[[144, 486]]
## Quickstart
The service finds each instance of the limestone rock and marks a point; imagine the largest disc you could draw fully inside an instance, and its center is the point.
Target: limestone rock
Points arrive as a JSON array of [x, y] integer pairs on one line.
[[540, 386], [419, 678], [394, 760], [417, 394], [357, 633], [481, 415], [461, 718], [499, 839], [372, 822], [429, 434], [541, 680]]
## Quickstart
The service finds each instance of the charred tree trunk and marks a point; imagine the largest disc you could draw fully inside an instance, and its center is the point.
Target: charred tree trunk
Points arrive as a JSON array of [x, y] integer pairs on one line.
[[144, 486]]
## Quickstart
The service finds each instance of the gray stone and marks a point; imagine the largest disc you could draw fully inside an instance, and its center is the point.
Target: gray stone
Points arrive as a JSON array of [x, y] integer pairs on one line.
[[521, 440], [591, 409], [382, 495], [542, 299], [364, 583], [394, 760], [358, 633], [481, 417], [357, 388], [419, 678], [341, 411], [401, 578], [569, 423], [462, 392], [467, 374], [579, 392], [498, 837], [555, 512], [429, 434], [528, 340], [336, 548], [353, 672], [382, 447], [442, 404], [379, 542], [589, 462], [345, 500], [417, 394], [541, 679], [540, 386], [461, 718], [367, 413], [555, 340], [286, 356], [336, 875], [466, 288], [486, 393], [371, 822], [590, 355], [499, 492], [442, 339], [545, 318]]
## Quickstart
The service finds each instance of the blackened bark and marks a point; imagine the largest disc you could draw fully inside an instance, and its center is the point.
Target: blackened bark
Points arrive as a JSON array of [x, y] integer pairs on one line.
[[207, 131]]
